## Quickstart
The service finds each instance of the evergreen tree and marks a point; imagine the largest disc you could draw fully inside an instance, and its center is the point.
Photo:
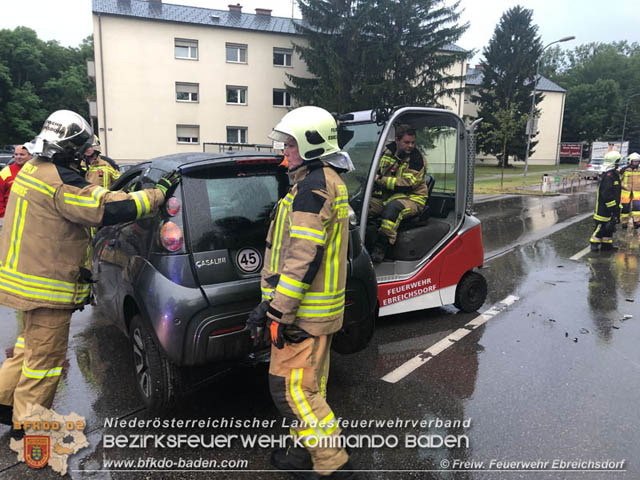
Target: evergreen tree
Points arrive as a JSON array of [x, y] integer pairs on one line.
[[509, 66], [366, 53]]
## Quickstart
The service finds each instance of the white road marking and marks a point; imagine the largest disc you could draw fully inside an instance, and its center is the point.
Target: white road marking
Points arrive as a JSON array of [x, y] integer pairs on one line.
[[439, 347], [581, 253]]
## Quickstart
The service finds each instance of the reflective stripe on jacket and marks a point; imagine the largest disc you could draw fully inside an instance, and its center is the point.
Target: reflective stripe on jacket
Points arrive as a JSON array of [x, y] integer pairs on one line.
[[305, 266], [44, 238], [101, 173], [401, 178], [631, 179], [608, 197]]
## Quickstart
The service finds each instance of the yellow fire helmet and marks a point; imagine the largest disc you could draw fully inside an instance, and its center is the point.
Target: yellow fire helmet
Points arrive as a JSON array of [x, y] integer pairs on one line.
[[314, 129], [612, 159], [634, 157]]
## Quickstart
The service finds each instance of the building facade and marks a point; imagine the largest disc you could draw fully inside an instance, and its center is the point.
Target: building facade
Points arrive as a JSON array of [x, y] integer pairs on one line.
[[551, 109], [170, 78]]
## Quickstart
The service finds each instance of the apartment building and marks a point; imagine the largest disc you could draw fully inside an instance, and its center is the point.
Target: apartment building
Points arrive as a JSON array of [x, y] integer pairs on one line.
[[550, 118], [170, 78]]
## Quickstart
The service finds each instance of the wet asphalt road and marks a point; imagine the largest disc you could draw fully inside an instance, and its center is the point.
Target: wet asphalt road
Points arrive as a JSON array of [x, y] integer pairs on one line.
[[553, 376]]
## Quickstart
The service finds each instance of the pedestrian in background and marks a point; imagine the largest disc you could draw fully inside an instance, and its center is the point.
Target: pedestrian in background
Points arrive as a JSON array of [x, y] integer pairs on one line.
[[21, 155], [631, 192]]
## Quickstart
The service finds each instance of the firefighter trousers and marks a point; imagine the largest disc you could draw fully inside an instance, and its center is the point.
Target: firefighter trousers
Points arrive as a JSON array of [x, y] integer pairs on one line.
[[391, 215], [603, 233], [630, 207], [31, 375], [298, 376]]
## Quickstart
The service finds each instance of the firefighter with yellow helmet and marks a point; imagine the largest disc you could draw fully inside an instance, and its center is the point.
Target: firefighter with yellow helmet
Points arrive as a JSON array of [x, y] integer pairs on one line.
[[303, 291], [43, 245], [101, 170], [631, 192], [608, 206]]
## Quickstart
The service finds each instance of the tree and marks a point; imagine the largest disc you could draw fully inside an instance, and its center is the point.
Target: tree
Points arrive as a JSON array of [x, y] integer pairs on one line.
[[37, 78], [363, 54], [509, 66], [506, 127]]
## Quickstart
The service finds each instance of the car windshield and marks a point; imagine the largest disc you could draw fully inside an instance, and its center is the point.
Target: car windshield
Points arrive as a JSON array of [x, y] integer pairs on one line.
[[230, 206]]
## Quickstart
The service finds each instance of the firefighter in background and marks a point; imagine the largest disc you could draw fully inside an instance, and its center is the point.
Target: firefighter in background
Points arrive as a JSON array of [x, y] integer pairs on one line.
[[43, 248], [631, 192], [303, 291], [101, 170], [400, 191], [608, 206]]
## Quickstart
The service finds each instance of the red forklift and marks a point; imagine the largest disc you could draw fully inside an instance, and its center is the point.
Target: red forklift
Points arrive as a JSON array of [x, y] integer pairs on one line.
[[437, 253]]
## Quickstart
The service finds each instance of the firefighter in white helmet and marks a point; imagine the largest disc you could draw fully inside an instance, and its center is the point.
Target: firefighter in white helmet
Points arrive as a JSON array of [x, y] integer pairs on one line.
[[303, 290], [608, 206], [43, 264], [631, 192]]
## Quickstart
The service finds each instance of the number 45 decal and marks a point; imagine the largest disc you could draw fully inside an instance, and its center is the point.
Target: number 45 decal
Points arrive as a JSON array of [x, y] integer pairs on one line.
[[248, 260]]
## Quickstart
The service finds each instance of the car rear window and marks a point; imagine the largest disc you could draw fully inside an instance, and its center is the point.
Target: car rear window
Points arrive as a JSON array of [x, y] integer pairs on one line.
[[231, 206], [597, 161]]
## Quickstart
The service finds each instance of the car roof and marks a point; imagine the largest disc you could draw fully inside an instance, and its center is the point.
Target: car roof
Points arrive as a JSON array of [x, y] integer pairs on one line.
[[188, 160]]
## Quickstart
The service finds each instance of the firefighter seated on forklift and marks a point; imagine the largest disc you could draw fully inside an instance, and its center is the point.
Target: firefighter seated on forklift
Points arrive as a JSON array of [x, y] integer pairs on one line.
[[400, 191]]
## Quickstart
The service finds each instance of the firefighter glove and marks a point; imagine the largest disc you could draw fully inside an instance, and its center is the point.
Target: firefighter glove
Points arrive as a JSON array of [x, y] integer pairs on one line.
[[276, 329], [257, 321], [168, 182]]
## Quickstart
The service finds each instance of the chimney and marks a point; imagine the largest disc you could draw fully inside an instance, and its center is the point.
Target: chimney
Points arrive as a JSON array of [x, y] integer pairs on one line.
[[235, 8], [263, 11]]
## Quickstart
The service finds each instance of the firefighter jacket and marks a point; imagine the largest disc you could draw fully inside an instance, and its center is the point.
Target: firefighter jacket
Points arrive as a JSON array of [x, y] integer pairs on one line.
[[44, 240], [7, 174], [631, 179], [305, 265], [102, 173], [608, 197], [401, 177]]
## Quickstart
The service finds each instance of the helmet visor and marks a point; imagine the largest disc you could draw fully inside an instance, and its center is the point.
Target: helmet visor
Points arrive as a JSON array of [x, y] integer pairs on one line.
[[277, 136]]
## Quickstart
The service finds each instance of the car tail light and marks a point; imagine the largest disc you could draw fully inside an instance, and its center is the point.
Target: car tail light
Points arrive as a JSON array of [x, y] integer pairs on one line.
[[173, 206], [589, 165], [171, 237]]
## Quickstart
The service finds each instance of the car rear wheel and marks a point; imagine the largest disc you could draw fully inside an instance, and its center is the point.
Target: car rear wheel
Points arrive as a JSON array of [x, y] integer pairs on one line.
[[471, 292], [157, 378]]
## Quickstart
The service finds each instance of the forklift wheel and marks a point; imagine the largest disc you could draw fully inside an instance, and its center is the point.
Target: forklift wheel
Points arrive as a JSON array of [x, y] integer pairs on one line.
[[471, 292]]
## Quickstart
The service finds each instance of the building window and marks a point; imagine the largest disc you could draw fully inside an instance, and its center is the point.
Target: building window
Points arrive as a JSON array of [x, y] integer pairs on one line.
[[281, 98], [187, 92], [282, 57], [186, 49], [188, 133], [237, 95], [236, 53], [236, 134]]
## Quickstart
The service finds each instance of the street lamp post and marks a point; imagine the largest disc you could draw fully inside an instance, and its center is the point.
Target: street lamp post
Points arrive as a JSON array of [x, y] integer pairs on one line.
[[531, 122], [624, 123]]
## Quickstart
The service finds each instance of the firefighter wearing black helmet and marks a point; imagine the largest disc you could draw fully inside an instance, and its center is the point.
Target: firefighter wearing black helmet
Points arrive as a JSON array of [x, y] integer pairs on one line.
[[608, 205]]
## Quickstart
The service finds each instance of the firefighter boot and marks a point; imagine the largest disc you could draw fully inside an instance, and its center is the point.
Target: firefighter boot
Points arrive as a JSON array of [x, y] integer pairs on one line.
[[595, 247], [291, 458], [379, 249], [608, 247]]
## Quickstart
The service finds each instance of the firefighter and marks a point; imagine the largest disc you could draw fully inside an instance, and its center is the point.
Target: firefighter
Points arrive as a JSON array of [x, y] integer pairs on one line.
[[303, 291], [631, 192], [101, 170], [43, 269], [400, 191], [608, 206]]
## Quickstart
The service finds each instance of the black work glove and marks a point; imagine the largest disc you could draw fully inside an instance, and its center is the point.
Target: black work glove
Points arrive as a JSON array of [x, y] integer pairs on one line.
[[168, 183], [276, 329], [257, 321]]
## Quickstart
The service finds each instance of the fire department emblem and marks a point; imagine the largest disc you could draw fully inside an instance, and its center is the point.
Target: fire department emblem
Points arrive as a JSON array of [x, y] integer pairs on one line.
[[36, 450]]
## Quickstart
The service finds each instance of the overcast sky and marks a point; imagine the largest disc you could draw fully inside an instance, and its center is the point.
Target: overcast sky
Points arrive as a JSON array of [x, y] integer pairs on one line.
[[69, 21]]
